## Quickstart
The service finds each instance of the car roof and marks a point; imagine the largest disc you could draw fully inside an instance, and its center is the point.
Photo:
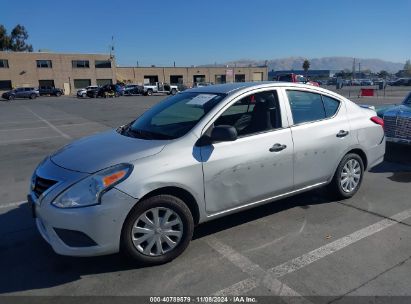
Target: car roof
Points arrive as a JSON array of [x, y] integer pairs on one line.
[[230, 88]]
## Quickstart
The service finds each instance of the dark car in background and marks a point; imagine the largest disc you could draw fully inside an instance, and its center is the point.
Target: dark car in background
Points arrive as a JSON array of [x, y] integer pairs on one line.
[[28, 92], [133, 89], [52, 91], [108, 90], [401, 82]]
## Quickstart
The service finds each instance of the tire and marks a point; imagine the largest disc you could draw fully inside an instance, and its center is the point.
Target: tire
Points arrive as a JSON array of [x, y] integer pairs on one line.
[[84, 95], [32, 96], [173, 92], [149, 92], [58, 94], [144, 253], [340, 190], [11, 97]]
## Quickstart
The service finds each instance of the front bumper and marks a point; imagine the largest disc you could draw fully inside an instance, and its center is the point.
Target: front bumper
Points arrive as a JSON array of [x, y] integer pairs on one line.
[[101, 224]]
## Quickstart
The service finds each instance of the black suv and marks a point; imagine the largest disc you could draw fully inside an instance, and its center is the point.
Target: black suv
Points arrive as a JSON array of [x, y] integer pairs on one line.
[[48, 90], [108, 90], [133, 89], [30, 92]]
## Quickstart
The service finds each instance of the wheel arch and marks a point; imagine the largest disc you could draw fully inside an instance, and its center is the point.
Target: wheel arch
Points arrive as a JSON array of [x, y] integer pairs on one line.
[[182, 194], [361, 154]]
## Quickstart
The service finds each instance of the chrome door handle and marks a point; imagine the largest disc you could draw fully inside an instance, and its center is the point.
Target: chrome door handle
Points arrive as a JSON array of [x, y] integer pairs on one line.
[[342, 133], [277, 148]]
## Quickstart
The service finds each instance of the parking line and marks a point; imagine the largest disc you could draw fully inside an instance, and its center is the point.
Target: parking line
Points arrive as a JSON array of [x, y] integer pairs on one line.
[[258, 275], [65, 125], [238, 289], [11, 205], [26, 139], [321, 252], [48, 123]]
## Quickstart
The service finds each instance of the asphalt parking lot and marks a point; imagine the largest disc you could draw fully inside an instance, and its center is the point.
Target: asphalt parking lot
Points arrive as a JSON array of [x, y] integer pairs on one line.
[[305, 245]]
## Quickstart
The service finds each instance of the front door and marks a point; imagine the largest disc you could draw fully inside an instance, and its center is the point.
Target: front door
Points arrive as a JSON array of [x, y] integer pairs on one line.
[[255, 167]]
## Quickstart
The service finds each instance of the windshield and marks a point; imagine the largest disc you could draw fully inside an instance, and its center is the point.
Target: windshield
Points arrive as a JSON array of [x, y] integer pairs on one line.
[[173, 117]]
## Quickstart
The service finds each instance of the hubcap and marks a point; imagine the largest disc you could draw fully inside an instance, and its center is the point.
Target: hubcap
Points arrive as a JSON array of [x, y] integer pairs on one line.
[[157, 231], [350, 175]]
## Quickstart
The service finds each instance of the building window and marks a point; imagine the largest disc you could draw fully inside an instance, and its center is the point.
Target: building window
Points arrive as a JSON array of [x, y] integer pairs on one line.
[[150, 79], [102, 64], [44, 64], [102, 82], [5, 84], [220, 79], [46, 83], [81, 64], [239, 78], [81, 83], [176, 79], [4, 63], [199, 78]]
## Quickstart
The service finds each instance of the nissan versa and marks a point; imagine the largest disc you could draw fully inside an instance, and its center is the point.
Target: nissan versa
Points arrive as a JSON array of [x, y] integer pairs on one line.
[[201, 154]]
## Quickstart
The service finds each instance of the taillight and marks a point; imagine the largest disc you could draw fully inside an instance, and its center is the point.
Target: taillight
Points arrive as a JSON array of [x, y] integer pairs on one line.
[[377, 120]]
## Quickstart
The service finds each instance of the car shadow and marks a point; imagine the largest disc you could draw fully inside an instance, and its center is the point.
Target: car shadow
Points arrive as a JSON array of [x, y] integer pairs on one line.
[[398, 153], [28, 263]]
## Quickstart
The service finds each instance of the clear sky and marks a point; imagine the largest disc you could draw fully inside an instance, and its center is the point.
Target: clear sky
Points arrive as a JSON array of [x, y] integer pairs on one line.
[[193, 32]]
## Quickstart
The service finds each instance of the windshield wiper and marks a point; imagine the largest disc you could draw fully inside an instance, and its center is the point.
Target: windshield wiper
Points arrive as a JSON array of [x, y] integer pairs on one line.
[[143, 134]]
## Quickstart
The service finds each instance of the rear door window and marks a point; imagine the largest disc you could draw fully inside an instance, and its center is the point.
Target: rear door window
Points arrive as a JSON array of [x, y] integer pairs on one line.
[[305, 106]]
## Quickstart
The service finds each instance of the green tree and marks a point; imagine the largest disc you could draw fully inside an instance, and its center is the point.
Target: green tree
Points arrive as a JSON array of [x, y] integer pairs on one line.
[[4, 39], [18, 38], [306, 66], [383, 74]]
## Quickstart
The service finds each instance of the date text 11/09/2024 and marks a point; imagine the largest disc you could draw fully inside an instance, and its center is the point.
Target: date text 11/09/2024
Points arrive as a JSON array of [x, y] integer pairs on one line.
[[206, 299]]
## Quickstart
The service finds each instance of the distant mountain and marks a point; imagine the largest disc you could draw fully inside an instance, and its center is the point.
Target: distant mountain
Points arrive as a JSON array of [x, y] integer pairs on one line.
[[324, 63]]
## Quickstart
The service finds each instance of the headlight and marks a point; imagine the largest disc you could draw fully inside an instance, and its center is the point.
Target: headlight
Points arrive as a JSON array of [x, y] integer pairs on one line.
[[88, 191]]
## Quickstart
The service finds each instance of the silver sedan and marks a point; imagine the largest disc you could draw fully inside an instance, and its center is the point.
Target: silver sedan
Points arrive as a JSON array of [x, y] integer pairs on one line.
[[201, 154]]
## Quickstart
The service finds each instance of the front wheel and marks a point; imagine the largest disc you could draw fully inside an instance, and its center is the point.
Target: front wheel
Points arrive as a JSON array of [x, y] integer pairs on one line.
[[157, 230], [173, 92], [11, 97], [149, 92], [58, 94], [32, 96], [348, 177]]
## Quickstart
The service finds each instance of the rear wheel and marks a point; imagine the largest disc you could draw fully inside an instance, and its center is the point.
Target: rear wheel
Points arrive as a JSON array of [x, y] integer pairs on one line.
[[58, 94], [11, 97], [84, 95], [348, 177], [173, 92], [157, 230]]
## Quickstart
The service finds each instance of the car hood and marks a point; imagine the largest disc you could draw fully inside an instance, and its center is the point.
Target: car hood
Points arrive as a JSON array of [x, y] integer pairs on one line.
[[97, 152], [401, 110]]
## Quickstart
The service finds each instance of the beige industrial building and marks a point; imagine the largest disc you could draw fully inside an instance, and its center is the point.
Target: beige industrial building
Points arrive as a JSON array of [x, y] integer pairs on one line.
[[73, 71]]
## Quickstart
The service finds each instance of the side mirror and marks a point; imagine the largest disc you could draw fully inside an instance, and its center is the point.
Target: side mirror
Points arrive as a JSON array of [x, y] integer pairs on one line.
[[224, 133], [218, 134]]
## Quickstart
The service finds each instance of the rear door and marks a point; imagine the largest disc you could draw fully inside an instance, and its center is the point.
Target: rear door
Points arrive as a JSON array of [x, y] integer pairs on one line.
[[249, 169], [321, 135]]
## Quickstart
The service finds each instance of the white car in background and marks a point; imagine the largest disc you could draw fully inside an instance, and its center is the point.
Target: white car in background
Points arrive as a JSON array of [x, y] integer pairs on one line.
[[83, 92]]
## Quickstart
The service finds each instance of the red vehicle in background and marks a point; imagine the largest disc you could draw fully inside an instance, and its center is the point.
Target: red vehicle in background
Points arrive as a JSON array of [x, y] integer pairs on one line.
[[296, 79]]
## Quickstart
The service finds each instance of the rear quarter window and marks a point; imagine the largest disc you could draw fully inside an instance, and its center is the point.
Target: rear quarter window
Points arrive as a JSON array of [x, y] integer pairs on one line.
[[331, 106]]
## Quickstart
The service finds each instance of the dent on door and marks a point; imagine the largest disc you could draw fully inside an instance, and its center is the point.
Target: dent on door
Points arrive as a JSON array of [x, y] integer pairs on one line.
[[246, 171]]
